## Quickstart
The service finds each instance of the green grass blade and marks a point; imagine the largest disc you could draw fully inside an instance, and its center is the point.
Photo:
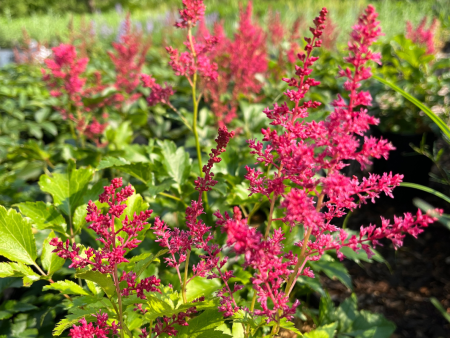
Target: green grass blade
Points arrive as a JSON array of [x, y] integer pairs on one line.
[[436, 119], [426, 189], [441, 309]]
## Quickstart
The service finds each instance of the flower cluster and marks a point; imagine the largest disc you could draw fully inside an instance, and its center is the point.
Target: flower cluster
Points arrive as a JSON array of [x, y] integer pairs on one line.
[[128, 59], [181, 242], [300, 154], [421, 35], [101, 329], [240, 60], [158, 94], [115, 241], [66, 68]]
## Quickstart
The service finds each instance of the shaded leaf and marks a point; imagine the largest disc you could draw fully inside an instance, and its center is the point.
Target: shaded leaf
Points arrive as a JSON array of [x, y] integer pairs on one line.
[[104, 281], [68, 287], [67, 189], [200, 286], [44, 216], [16, 238], [50, 260]]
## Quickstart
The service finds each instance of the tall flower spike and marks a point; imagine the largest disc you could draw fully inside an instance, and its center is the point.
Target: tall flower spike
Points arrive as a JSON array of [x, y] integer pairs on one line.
[[192, 12], [421, 35], [300, 151]]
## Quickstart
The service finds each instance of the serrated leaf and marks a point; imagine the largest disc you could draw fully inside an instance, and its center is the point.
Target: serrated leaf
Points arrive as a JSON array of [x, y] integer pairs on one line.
[[44, 216], [94, 288], [326, 331], [156, 189], [16, 238], [200, 286], [203, 326], [346, 313], [371, 325], [285, 324], [13, 269], [175, 161], [67, 189], [139, 263], [50, 260], [333, 270], [79, 218], [65, 324], [141, 170], [104, 281], [158, 307], [67, 287], [109, 161]]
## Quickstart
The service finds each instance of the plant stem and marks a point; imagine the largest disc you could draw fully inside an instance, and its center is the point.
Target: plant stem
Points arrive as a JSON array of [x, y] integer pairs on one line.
[[186, 270], [150, 328], [272, 205], [116, 282], [302, 257], [173, 197], [50, 280], [195, 102], [252, 308]]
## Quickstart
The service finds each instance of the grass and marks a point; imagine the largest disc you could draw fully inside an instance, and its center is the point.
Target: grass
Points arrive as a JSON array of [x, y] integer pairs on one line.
[[52, 28]]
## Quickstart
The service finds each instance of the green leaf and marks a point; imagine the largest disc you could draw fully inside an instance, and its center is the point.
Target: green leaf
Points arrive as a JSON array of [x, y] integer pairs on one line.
[[65, 324], [333, 270], [79, 218], [347, 313], [44, 216], [372, 325], [444, 219], [200, 286], [163, 305], [67, 189], [12, 269], [139, 263], [441, 309], [285, 324], [326, 310], [156, 189], [50, 260], [326, 331], [175, 161], [68, 287], [94, 288], [203, 326], [426, 189], [141, 170], [104, 281], [238, 330], [436, 119], [16, 238], [109, 161]]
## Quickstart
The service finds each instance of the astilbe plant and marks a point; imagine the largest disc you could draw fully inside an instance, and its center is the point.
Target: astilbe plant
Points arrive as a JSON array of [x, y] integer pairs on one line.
[[67, 80], [128, 59], [116, 239], [300, 151], [306, 184], [423, 36], [195, 64], [239, 60]]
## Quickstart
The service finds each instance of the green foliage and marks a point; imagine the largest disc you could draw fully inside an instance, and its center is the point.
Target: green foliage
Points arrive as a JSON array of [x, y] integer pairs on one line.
[[50, 261], [16, 238], [67, 189]]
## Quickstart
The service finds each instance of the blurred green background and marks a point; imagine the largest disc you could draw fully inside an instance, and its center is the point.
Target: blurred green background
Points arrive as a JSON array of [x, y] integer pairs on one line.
[[47, 20]]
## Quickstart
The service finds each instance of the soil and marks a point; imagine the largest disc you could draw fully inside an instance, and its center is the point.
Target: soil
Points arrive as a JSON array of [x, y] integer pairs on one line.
[[419, 270]]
